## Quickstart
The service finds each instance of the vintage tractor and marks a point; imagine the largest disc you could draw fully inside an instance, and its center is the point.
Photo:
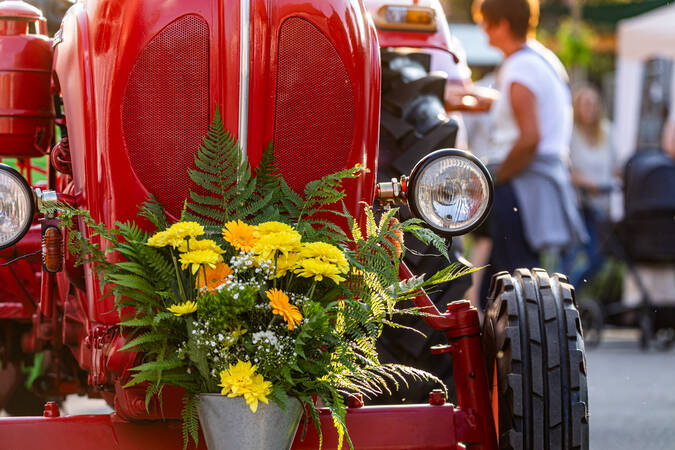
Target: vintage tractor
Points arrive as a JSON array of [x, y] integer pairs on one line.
[[131, 89]]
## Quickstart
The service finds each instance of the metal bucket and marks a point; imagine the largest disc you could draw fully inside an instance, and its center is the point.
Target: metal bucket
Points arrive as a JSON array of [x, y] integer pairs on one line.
[[229, 424]]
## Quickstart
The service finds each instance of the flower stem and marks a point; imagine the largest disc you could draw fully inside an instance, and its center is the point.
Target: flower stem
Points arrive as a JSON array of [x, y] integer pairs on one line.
[[205, 282], [311, 290], [178, 277]]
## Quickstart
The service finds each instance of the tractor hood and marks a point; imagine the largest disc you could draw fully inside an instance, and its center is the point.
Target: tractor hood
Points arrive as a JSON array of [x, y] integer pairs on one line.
[[141, 80]]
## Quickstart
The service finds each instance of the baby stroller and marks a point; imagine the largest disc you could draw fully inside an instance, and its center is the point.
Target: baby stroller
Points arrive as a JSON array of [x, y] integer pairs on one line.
[[644, 240]]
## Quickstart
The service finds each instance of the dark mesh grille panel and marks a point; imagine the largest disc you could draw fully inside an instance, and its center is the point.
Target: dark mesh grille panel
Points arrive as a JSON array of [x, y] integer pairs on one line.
[[315, 106], [165, 111]]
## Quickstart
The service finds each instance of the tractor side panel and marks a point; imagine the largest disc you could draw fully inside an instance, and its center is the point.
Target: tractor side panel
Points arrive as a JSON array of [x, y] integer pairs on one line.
[[415, 427]]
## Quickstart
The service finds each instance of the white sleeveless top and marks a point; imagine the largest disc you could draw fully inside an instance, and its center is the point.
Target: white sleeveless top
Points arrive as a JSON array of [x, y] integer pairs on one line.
[[539, 70]]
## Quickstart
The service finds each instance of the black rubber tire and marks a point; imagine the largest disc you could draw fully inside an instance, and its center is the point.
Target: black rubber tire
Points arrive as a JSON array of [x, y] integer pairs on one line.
[[646, 330], [413, 121], [532, 335]]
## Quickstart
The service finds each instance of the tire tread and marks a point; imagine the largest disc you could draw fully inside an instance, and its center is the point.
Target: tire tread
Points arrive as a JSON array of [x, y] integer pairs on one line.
[[542, 358]]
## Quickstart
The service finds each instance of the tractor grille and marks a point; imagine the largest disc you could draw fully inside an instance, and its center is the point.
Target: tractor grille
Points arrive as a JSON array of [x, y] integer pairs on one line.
[[314, 125], [165, 110]]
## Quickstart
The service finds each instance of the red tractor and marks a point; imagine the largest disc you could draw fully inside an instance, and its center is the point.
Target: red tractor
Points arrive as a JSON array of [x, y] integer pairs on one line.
[[130, 88]]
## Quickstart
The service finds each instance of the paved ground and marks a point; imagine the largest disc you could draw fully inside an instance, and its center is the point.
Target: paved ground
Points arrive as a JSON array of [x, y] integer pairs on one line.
[[631, 395]]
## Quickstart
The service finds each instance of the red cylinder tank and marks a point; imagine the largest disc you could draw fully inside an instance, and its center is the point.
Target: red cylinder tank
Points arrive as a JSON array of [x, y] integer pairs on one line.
[[26, 108]]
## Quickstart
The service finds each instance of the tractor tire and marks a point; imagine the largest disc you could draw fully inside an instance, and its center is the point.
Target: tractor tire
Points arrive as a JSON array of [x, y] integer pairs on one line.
[[536, 364], [413, 120], [414, 123]]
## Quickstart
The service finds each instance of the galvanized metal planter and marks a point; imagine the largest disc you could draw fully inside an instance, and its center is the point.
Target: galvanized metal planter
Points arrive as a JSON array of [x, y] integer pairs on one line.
[[229, 424]]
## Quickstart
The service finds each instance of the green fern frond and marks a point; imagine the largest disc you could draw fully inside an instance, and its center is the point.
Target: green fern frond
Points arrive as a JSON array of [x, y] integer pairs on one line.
[[220, 174], [152, 210], [267, 172], [326, 191], [190, 416]]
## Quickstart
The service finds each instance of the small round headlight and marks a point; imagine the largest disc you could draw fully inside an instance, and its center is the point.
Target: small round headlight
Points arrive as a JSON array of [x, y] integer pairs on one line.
[[451, 191], [17, 206]]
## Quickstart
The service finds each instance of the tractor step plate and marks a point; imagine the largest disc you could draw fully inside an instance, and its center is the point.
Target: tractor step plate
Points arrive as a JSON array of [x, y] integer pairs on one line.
[[370, 427]]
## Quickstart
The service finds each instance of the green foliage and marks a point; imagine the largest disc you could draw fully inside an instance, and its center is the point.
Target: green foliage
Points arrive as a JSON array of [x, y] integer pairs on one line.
[[190, 419], [575, 44], [190, 337], [228, 191]]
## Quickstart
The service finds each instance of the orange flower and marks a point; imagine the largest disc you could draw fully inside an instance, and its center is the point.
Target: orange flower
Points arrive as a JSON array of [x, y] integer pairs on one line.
[[240, 235], [397, 241], [280, 306], [214, 277]]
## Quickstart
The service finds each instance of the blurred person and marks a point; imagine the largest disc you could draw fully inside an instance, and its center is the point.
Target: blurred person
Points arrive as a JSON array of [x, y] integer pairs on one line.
[[535, 208], [592, 171]]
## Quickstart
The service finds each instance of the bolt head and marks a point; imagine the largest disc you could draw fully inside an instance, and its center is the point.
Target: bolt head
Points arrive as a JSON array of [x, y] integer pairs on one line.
[[437, 397]]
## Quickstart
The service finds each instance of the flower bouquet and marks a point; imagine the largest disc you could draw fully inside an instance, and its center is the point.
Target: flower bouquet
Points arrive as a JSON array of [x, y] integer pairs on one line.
[[255, 298]]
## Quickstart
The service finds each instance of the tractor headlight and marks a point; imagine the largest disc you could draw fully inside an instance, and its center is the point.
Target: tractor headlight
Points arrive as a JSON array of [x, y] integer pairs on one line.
[[17, 206], [451, 191]]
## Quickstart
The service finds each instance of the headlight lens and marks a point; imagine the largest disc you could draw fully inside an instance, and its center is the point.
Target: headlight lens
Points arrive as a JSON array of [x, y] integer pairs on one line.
[[16, 206], [451, 191]]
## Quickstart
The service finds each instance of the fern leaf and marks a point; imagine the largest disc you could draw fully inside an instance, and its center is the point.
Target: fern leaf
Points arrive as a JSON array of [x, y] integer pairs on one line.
[[152, 210], [190, 416]]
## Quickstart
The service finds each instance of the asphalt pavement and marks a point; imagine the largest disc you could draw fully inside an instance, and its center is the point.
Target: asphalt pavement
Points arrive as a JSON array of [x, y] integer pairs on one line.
[[631, 394]]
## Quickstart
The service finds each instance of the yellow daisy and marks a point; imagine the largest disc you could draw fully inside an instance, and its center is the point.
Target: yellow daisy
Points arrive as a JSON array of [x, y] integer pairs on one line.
[[240, 235], [318, 269], [286, 263], [258, 390], [326, 253], [186, 229], [280, 306], [164, 238], [176, 234], [240, 379], [204, 244], [214, 276], [198, 257], [183, 308], [271, 244], [236, 378], [272, 227]]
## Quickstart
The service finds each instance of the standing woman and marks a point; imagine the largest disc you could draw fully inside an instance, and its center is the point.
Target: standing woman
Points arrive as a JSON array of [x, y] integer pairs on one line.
[[592, 169], [535, 207]]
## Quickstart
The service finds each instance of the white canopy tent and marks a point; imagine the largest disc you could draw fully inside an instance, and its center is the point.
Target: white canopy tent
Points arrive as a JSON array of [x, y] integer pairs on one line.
[[651, 35]]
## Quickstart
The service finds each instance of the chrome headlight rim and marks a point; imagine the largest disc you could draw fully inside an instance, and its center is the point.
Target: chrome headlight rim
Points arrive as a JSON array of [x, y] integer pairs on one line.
[[31, 199], [419, 169]]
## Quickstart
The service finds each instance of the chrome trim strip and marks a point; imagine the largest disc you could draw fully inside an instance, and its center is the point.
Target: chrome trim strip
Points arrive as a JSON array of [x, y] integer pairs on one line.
[[244, 51]]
